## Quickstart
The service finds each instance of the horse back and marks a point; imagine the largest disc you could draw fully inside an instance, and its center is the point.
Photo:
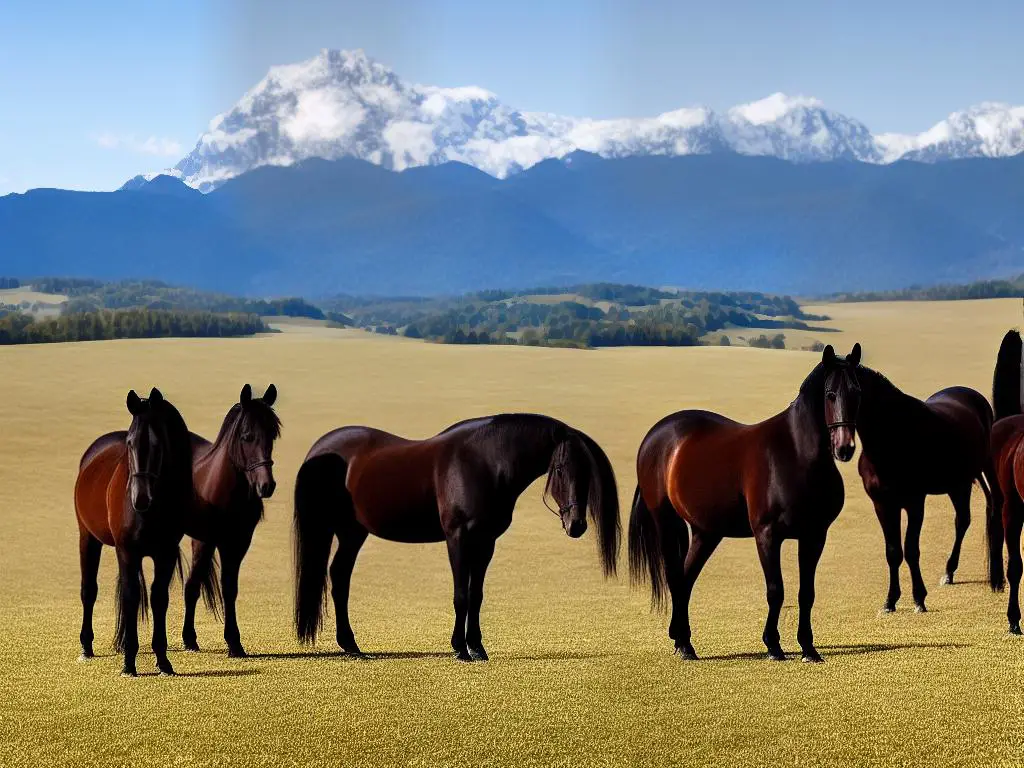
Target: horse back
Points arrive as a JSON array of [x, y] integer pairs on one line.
[[95, 488], [704, 464], [966, 423]]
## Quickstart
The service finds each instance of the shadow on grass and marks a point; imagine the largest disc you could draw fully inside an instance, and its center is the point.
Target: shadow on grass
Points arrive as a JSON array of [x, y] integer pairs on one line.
[[380, 656], [858, 649]]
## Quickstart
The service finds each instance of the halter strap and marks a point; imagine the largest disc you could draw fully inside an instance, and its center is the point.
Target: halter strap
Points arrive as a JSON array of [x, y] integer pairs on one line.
[[838, 424], [151, 475], [257, 464]]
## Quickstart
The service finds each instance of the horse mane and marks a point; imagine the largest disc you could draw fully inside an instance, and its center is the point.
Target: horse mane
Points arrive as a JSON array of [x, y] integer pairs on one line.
[[1006, 379], [602, 502], [180, 448]]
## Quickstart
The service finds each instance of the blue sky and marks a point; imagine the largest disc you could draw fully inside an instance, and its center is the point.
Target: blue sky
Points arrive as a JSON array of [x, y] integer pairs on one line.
[[93, 93]]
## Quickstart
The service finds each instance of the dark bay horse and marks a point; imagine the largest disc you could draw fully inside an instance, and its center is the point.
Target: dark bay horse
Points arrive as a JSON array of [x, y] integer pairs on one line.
[[1008, 456], [773, 480], [912, 448], [233, 475], [459, 487], [132, 493]]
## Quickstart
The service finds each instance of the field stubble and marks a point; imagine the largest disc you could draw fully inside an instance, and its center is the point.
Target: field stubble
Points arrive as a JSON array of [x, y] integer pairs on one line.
[[581, 672]]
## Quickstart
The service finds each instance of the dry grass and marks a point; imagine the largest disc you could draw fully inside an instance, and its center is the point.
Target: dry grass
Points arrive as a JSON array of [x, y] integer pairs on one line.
[[582, 673]]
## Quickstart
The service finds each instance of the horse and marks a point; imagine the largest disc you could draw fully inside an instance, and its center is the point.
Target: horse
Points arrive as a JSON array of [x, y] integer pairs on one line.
[[1008, 457], [233, 475], [911, 449], [132, 492], [773, 480], [459, 486]]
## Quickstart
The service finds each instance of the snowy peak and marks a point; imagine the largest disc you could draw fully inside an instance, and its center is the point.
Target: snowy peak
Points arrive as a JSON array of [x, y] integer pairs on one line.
[[345, 104]]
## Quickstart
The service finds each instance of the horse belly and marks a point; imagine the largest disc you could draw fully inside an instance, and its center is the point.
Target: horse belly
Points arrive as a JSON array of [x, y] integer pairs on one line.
[[709, 498], [91, 497]]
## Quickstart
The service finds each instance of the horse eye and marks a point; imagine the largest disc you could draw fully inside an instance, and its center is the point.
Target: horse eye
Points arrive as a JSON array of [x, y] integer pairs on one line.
[[247, 437], [831, 396]]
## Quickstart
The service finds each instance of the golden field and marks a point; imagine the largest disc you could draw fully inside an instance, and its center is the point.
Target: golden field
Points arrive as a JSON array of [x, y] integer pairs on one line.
[[581, 672]]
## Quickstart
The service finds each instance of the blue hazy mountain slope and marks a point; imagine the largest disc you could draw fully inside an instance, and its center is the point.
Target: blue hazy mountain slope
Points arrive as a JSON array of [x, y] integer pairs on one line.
[[706, 221]]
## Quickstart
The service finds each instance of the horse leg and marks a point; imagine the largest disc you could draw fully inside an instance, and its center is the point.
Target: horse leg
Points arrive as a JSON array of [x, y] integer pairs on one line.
[[89, 550], [129, 596], [769, 550], [350, 541], [675, 546], [231, 563], [889, 517], [912, 551], [202, 554], [481, 558], [1013, 520], [163, 571], [811, 547], [702, 545], [459, 558], [961, 499]]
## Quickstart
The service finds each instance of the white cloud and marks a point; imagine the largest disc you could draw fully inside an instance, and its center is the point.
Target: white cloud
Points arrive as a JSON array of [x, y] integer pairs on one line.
[[152, 145]]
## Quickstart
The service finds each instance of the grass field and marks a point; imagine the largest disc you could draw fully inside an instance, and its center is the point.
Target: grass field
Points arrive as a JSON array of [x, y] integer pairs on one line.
[[581, 672]]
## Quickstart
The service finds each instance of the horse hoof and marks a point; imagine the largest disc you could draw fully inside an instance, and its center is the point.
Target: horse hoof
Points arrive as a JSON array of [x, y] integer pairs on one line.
[[1015, 629], [192, 647], [166, 670], [355, 653], [686, 653], [812, 657], [478, 654], [85, 657], [888, 609], [920, 608], [463, 655], [776, 656], [946, 580], [126, 672], [237, 653]]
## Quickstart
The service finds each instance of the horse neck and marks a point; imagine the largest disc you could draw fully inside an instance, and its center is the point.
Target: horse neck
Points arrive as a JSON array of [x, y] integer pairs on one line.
[[528, 446], [882, 402], [806, 420], [215, 469]]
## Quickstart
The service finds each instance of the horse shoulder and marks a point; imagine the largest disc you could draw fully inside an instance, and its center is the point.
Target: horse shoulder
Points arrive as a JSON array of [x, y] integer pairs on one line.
[[93, 484]]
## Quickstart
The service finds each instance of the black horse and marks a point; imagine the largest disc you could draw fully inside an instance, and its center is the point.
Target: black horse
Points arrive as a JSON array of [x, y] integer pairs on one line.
[[912, 449], [460, 487], [132, 493], [233, 476]]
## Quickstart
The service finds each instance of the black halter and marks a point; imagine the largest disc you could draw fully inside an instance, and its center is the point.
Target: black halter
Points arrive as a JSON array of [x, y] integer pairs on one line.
[[838, 424], [252, 466]]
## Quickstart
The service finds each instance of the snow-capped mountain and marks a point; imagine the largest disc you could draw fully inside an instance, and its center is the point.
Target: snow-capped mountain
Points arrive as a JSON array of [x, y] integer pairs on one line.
[[344, 104]]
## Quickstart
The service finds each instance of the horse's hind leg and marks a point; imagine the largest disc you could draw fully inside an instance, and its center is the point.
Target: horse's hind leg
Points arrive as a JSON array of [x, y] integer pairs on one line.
[[1013, 520], [231, 554], [202, 561], [480, 559], [89, 550], [350, 541], [912, 551], [769, 549], [889, 517], [701, 547], [163, 571], [961, 499]]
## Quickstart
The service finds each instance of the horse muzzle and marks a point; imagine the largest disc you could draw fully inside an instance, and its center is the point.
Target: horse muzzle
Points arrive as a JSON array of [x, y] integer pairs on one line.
[[576, 528]]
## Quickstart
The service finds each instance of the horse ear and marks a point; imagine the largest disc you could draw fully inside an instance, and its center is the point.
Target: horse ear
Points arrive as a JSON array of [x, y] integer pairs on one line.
[[246, 395], [270, 395], [134, 402], [155, 396], [829, 355], [854, 358]]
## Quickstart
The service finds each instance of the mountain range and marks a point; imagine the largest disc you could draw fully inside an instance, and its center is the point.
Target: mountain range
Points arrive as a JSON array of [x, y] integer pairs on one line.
[[345, 104], [713, 221]]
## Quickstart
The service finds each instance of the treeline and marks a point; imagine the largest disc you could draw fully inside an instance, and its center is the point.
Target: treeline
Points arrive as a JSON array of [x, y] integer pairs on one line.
[[1011, 288], [92, 295], [7, 283], [19, 328]]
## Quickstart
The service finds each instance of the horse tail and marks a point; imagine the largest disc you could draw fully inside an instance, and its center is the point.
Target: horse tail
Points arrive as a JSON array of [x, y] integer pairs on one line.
[[646, 557], [993, 535], [207, 570], [133, 581], [603, 504], [1006, 381], [316, 490]]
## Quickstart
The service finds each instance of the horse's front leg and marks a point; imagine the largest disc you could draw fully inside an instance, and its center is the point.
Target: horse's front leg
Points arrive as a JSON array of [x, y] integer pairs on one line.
[[811, 546], [769, 550], [480, 558], [889, 518], [198, 574], [163, 571], [129, 597], [459, 558]]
